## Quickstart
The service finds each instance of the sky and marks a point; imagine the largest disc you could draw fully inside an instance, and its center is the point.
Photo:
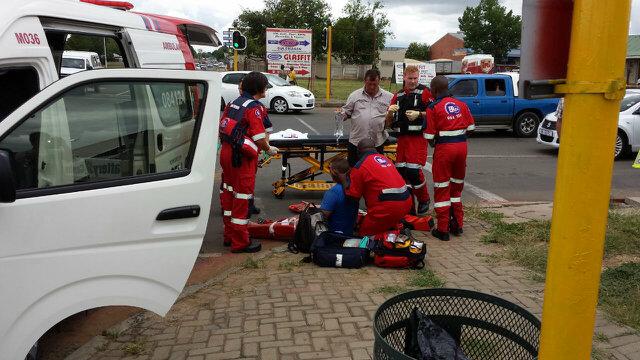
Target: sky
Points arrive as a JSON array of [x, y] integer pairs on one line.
[[432, 18]]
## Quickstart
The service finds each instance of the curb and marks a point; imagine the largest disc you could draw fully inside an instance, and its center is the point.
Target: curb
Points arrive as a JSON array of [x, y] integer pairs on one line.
[[88, 350], [632, 201]]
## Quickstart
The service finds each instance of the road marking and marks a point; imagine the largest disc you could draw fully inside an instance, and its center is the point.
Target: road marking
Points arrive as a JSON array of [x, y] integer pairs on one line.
[[482, 194], [307, 125]]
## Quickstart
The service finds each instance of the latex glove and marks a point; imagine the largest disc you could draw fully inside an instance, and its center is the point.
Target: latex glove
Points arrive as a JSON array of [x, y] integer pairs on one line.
[[394, 108], [412, 114], [273, 150]]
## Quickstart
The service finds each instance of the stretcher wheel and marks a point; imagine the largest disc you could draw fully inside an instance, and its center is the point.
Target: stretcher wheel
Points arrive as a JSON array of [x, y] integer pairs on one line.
[[278, 193]]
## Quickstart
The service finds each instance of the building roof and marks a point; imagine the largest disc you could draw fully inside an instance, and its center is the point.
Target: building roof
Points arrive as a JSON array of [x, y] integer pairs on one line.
[[459, 35], [633, 47]]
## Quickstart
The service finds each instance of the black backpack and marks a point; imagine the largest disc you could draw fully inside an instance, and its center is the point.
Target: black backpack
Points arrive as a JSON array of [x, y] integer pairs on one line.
[[310, 225]]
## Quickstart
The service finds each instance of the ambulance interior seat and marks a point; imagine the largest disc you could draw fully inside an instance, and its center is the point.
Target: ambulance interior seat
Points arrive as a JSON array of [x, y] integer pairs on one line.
[[18, 85]]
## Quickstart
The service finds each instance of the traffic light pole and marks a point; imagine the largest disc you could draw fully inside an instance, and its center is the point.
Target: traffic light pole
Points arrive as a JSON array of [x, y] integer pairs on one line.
[[594, 88], [328, 90], [235, 60]]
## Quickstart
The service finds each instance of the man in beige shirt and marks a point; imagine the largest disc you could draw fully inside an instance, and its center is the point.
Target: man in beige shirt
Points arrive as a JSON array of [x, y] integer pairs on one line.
[[366, 107]]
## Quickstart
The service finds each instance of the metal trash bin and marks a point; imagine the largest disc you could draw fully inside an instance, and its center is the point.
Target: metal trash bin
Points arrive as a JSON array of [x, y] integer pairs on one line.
[[486, 327]]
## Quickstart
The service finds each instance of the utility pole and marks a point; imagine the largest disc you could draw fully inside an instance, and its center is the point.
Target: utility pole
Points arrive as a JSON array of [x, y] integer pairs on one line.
[[235, 60], [328, 90]]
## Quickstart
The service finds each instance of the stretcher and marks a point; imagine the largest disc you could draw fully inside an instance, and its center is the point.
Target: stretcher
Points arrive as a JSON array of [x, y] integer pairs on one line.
[[318, 151]]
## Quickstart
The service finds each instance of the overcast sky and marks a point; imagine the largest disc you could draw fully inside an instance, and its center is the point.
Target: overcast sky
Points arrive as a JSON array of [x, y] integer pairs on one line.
[[432, 18]]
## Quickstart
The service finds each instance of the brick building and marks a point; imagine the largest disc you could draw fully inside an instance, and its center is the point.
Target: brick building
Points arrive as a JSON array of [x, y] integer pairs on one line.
[[450, 46]]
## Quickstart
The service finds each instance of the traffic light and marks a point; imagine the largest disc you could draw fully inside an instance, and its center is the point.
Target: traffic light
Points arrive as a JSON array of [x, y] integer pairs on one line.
[[238, 41], [324, 39]]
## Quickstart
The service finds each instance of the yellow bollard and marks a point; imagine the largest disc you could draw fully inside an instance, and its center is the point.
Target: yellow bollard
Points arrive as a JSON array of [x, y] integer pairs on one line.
[[636, 163], [328, 88], [593, 91]]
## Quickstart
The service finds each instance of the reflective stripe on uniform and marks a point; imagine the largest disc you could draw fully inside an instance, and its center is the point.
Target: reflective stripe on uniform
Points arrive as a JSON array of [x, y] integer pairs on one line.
[[251, 144], [457, 181], [269, 130], [234, 106], [398, 190], [441, 184], [421, 185], [414, 127], [226, 213], [442, 204], [227, 187], [246, 103], [456, 200], [453, 132], [471, 127], [259, 136], [413, 166], [429, 136], [239, 221], [401, 164], [243, 196]]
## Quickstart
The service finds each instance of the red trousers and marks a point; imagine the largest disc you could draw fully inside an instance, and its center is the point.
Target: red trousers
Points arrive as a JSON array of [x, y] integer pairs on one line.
[[240, 184], [449, 168], [411, 156], [385, 216]]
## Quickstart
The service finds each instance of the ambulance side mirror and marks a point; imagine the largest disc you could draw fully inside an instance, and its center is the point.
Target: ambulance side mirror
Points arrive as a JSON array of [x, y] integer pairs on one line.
[[7, 180]]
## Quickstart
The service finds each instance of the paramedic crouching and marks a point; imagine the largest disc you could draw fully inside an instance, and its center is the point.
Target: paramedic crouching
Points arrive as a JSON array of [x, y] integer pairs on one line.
[[385, 193], [339, 212]]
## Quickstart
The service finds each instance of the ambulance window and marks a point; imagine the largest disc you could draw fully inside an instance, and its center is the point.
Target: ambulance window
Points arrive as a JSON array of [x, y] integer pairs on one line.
[[18, 86], [465, 88], [92, 49], [234, 78], [106, 132]]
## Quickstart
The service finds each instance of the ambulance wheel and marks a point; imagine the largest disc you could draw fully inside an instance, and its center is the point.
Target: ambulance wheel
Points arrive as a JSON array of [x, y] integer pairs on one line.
[[279, 105], [526, 125], [622, 146]]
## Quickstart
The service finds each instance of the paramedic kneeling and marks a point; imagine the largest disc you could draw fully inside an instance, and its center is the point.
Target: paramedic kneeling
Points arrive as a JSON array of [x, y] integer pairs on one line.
[[385, 193], [339, 211]]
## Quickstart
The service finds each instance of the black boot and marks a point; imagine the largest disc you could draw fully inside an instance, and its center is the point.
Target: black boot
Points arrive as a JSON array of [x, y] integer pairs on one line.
[[253, 210], [423, 208], [440, 235], [254, 246], [454, 228]]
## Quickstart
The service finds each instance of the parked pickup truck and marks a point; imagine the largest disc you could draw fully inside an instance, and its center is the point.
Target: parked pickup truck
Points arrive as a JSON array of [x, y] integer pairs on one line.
[[494, 103]]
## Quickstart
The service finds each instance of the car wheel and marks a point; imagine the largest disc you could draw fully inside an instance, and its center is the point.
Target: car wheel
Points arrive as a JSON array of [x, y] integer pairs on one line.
[[622, 146], [526, 124], [279, 105]]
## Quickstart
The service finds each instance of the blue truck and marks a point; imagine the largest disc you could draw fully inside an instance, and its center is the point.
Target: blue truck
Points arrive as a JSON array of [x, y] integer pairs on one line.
[[494, 103]]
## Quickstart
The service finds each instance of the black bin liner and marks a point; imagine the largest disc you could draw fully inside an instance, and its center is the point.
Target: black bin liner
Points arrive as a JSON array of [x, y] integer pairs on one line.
[[484, 326]]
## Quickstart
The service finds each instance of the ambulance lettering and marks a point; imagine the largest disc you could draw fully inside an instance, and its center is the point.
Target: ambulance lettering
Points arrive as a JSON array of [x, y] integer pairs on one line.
[[170, 46], [27, 38], [173, 98]]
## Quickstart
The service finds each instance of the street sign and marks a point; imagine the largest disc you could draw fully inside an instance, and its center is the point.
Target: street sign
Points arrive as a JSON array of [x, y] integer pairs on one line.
[[289, 47]]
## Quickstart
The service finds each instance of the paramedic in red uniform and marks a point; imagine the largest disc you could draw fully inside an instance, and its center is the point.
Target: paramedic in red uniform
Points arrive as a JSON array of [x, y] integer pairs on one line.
[[406, 115], [385, 193], [243, 134], [449, 123]]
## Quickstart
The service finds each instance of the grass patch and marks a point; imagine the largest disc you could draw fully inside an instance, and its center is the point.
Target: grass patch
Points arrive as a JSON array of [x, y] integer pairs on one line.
[[390, 289], [133, 348], [623, 235], [112, 335], [340, 89], [600, 337], [481, 349], [620, 293], [425, 278], [288, 265], [488, 216], [250, 263]]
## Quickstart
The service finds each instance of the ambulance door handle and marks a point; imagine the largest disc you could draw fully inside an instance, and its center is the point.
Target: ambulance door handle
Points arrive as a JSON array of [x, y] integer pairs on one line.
[[182, 212], [159, 142]]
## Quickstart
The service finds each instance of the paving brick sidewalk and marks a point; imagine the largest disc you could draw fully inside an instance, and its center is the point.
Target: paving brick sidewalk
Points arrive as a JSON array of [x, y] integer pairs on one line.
[[283, 310]]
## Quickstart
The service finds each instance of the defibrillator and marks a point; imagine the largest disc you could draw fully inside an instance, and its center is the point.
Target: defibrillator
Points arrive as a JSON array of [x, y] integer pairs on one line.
[[410, 101]]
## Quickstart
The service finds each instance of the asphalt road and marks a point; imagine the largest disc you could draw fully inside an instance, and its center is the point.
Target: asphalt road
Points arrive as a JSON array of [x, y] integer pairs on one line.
[[500, 168]]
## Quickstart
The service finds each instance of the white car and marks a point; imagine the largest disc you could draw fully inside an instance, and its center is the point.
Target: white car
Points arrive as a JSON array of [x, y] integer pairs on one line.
[[281, 96], [628, 127], [76, 61]]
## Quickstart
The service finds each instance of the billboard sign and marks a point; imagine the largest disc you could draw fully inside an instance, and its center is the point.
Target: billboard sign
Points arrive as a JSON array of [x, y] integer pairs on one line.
[[289, 47]]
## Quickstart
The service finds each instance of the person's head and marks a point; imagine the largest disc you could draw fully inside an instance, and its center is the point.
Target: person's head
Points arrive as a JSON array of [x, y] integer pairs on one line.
[[410, 77], [372, 82], [365, 145], [439, 86], [240, 86], [281, 66], [255, 83], [291, 68], [338, 167]]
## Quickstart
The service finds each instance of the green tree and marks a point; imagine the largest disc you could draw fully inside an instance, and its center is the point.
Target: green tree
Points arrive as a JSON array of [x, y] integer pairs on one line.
[[94, 44], [296, 14], [359, 36], [418, 51], [488, 28]]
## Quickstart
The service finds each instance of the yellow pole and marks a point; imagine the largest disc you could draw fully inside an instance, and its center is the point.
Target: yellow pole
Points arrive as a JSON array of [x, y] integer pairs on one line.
[[235, 60], [328, 90], [593, 91]]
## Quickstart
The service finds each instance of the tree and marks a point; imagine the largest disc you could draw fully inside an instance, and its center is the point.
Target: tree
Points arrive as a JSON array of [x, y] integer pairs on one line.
[[296, 14], [488, 28], [359, 36], [418, 51]]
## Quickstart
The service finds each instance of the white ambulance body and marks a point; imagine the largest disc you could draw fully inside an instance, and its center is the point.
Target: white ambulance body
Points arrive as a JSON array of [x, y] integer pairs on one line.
[[105, 175]]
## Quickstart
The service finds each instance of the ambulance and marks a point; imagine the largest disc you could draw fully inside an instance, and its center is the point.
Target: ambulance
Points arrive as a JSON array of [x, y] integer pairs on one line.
[[105, 175]]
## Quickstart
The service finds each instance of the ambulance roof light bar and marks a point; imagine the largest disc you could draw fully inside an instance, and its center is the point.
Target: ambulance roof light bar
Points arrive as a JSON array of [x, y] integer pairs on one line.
[[119, 5]]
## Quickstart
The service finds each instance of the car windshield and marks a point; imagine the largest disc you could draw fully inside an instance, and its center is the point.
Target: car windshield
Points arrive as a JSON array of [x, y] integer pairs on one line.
[[277, 81], [73, 63], [629, 101]]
